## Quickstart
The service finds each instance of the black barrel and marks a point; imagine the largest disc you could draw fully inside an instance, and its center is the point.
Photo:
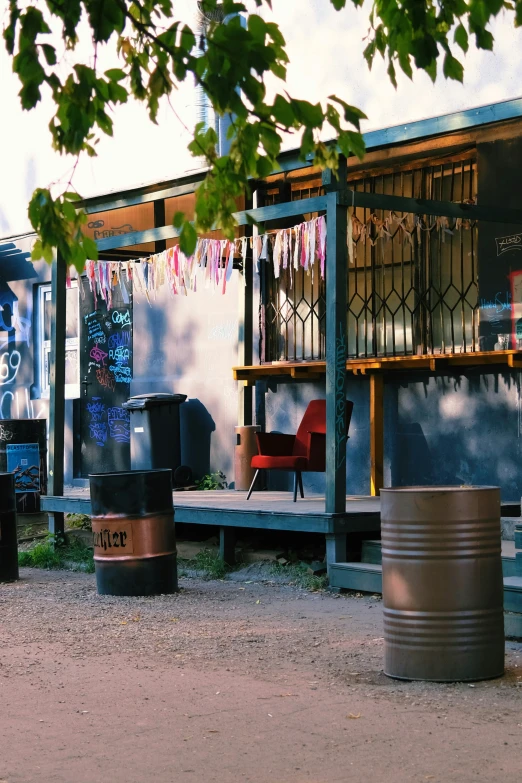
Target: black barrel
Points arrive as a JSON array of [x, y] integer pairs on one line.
[[133, 532], [8, 542], [30, 469]]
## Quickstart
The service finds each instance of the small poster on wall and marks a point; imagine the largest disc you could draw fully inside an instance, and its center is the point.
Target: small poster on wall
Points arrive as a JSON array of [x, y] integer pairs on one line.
[[23, 459]]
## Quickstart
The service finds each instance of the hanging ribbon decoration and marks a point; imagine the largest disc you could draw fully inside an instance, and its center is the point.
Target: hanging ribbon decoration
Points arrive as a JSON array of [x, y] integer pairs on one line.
[[290, 249], [302, 246], [406, 226]]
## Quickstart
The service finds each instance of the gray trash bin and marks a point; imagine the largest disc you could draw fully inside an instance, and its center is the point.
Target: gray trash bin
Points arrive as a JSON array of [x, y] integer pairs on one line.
[[155, 432]]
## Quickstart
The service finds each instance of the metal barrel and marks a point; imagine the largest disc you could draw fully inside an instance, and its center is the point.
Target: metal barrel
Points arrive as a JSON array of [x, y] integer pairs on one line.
[[133, 532], [16, 432], [442, 583], [8, 541], [246, 448]]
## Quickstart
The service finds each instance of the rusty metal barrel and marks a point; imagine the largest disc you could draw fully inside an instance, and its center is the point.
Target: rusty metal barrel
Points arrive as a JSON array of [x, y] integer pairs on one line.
[[442, 583], [8, 540], [133, 532], [246, 448]]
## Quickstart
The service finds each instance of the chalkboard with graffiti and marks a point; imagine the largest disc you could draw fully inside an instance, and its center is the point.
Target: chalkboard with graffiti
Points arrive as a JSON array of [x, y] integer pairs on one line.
[[105, 376]]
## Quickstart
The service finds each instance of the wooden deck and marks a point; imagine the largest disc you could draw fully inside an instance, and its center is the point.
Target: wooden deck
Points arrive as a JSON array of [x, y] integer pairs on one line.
[[228, 509]]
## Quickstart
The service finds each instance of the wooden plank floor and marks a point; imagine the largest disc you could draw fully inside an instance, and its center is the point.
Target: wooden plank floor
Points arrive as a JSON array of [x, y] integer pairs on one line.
[[273, 510]]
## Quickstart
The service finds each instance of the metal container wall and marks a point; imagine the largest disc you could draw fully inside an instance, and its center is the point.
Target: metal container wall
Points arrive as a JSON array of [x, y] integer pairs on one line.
[[246, 448], [133, 532], [18, 431], [442, 583], [8, 541]]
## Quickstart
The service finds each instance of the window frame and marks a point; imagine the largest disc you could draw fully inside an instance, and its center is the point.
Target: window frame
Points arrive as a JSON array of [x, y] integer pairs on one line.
[[72, 390]]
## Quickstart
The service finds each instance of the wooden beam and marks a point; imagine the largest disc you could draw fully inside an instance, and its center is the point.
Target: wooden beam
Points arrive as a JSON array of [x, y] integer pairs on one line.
[[492, 214], [336, 344], [57, 389], [280, 211], [130, 198], [376, 433], [437, 363], [513, 362]]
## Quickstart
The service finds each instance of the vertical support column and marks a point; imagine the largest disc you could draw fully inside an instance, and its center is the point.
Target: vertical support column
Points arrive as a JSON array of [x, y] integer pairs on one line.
[[227, 545], [244, 337], [57, 389], [159, 221], [336, 343], [376, 433]]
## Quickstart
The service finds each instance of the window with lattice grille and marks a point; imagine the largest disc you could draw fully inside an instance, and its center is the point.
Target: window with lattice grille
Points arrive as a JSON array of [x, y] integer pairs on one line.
[[412, 279]]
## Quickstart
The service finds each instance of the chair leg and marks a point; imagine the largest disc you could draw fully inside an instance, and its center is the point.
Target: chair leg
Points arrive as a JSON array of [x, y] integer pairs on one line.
[[296, 482], [253, 482], [300, 478]]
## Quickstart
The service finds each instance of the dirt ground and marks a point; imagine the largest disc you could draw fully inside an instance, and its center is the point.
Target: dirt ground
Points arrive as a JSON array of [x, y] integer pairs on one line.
[[228, 682]]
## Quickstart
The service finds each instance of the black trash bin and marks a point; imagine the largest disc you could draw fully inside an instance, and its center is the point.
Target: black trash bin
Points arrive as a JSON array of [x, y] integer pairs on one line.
[[155, 432], [8, 540]]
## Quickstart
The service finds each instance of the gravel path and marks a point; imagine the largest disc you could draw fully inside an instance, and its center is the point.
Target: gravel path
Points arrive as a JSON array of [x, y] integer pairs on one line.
[[231, 682]]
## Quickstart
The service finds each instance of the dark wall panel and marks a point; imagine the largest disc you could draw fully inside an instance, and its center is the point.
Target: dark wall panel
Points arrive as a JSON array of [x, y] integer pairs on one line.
[[500, 246]]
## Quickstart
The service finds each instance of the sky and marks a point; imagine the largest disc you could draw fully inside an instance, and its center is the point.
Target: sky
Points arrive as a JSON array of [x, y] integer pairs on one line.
[[325, 49]]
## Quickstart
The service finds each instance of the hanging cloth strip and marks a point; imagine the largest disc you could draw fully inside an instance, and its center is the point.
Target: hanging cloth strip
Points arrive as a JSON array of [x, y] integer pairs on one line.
[[288, 249]]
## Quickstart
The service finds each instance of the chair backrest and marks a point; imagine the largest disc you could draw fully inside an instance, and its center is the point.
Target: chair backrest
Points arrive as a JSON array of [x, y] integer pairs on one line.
[[314, 420]]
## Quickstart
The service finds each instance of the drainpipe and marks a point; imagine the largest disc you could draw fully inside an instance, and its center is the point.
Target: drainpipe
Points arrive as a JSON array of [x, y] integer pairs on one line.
[[204, 111]]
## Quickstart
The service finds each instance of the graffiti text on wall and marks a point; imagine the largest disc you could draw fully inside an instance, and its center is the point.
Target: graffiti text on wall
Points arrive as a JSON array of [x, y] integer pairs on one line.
[[512, 242], [107, 423], [18, 404], [116, 347]]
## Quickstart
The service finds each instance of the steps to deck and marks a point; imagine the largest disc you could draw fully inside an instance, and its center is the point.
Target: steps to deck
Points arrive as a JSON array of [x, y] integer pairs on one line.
[[353, 576], [366, 577], [363, 577]]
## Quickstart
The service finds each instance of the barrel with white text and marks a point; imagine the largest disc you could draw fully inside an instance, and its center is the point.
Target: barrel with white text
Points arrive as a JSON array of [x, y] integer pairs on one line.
[[133, 532]]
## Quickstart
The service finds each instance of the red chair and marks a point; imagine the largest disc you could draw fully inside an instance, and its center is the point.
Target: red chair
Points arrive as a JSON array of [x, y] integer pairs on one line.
[[305, 451]]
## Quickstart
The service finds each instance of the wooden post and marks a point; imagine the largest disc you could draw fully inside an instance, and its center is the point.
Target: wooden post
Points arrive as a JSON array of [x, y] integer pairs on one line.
[[376, 432], [336, 342], [57, 389], [159, 221], [245, 338], [227, 545]]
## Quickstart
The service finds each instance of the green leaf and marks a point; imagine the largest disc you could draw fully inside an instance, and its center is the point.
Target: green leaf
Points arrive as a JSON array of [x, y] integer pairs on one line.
[[283, 112], [338, 4], [115, 74], [307, 113], [49, 54], [461, 37], [307, 143], [351, 113], [177, 220], [90, 247], [369, 54], [37, 252], [351, 142], [452, 69], [484, 39], [271, 140], [431, 70], [391, 73], [188, 238]]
